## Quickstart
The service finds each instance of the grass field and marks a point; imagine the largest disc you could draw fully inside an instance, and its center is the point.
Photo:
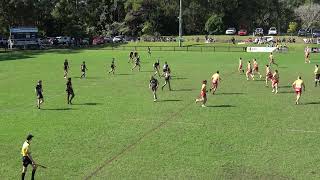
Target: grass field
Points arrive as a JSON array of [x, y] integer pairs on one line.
[[115, 131]]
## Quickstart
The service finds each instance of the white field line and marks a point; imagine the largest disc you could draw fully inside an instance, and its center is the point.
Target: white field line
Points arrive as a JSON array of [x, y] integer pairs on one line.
[[300, 130]]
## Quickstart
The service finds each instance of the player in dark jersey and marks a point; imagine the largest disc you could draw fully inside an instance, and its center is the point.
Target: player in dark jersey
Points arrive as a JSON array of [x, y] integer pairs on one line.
[[39, 94], [83, 69], [131, 57], [135, 55], [156, 67], [167, 78], [113, 67], [70, 92], [153, 85], [149, 51], [137, 64], [65, 68]]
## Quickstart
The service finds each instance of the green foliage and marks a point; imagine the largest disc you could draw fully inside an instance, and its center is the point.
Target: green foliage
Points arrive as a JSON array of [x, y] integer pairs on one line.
[[292, 27], [214, 24]]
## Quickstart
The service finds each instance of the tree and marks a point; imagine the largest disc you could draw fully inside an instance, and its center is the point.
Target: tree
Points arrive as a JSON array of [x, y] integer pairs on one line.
[[292, 27], [214, 24], [308, 14]]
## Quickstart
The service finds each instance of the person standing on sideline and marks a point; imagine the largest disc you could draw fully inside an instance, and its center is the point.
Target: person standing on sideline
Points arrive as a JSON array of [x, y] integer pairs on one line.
[[27, 158]]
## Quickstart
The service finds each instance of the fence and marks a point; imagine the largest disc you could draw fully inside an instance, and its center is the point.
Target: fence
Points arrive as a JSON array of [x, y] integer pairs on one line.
[[175, 48]]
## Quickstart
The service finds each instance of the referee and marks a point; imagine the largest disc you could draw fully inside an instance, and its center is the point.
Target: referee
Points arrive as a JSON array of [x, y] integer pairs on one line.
[[27, 158]]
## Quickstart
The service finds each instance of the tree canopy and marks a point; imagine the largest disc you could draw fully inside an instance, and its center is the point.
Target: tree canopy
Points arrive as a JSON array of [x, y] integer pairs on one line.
[[153, 17]]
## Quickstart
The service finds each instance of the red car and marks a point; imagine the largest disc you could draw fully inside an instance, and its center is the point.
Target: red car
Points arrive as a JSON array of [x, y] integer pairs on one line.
[[242, 32], [98, 40]]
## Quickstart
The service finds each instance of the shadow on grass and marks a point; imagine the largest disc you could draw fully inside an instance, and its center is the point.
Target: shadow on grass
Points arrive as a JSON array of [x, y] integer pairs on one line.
[[312, 103], [285, 86], [222, 106], [229, 93], [179, 78], [87, 104], [178, 90], [58, 109], [285, 92], [170, 100], [124, 74]]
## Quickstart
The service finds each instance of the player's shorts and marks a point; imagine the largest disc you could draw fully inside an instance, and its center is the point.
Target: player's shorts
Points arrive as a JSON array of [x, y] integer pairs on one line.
[[240, 67], [203, 94], [214, 83], [164, 70], [153, 88], [298, 90], [318, 76], [83, 70], [40, 96], [269, 76], [70, 91], [274, 82], [26, 161], [249, 71], [256, 69], [65, 68]]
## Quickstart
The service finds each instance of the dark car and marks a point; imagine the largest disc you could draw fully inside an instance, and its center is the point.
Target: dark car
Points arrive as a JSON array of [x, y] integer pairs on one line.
[[259, 32], [304, 32], [316, 33]]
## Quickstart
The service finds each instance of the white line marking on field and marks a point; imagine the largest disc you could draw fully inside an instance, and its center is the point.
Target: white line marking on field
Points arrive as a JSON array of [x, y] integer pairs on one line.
[[302, 131]]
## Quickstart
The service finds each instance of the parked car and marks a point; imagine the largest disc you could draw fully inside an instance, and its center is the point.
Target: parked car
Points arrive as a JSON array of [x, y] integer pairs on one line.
[[258, 32], [231, 31], [98, 40], [316, 33], [3, 41], [84, 41], [304, 32], [242, 32], [273, 31], [63, 40], [108, 39], [117, 39]]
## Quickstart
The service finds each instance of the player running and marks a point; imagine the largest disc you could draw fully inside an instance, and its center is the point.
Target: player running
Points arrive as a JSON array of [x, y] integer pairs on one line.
[[39, 94], [249, 71], [27, 158], [156, 67], [307, 55], [167, 78], [137, 64], [165, 68], [271, 60], [153, 85], [83, 69], [215, 81], [65, 68], [240, 68], [112, 66], [70, 92], [275, 82], [203, 94], [256, 68], [131, 57], [317, 75], [149, 51], [298, 85], [268, 74]]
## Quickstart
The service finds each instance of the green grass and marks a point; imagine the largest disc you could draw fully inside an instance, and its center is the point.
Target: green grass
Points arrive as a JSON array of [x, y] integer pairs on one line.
[[245, 133]]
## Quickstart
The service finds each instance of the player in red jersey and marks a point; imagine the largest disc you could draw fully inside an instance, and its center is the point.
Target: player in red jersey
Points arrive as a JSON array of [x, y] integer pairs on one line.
[[249, 71], [275, 81], [298, 85], [215, 81], [240, 68], [268, 74], [256, 68], [307, 55], [203, 94]]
